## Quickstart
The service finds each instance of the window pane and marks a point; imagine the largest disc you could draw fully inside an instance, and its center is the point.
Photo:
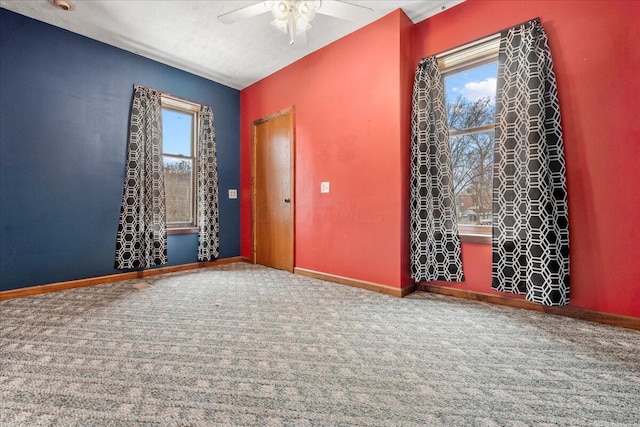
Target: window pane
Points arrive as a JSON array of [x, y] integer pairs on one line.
[[471, 99], [178, 184], [471, 96], [472, 161], [176, 132]]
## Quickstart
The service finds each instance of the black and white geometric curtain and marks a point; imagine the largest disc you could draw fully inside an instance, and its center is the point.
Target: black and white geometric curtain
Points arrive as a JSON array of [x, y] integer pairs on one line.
[[208, 222], [434, 240], [142, 235], [530, 215]]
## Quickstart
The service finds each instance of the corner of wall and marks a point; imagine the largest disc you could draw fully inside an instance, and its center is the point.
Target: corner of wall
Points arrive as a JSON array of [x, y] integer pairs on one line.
[[406, 69]]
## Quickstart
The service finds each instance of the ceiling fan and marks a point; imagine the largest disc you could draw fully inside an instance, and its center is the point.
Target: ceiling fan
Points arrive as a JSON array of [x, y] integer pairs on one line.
[[293, 17]]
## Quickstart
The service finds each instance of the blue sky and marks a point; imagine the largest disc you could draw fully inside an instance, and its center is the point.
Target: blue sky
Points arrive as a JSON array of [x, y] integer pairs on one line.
[[176, 132], [473, 84]]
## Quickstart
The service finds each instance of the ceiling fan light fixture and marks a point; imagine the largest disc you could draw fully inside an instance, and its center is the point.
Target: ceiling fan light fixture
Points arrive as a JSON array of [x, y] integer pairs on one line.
[[306, 10], [280, 9]]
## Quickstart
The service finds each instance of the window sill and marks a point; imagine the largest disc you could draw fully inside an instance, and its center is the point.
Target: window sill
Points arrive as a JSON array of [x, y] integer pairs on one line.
[[482, 239], [184, 230]]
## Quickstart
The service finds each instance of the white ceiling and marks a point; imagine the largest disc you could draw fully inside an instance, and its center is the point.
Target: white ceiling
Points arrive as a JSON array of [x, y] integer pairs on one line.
[[187, 34]]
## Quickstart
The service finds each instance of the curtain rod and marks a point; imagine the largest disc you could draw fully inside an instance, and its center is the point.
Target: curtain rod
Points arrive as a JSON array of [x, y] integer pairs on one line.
[[482, 39], [168, 95]]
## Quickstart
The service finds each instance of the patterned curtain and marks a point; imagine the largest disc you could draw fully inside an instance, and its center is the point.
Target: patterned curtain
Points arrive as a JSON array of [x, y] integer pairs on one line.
[[434, 240], [142, 234], [208, 222], [530, 216]]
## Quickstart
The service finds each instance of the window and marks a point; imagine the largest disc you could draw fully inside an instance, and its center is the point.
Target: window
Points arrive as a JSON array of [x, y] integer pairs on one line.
[[469, 77], [179, 129]]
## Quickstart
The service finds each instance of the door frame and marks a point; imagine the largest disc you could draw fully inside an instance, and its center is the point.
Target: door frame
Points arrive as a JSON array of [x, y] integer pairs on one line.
[[286, 111]]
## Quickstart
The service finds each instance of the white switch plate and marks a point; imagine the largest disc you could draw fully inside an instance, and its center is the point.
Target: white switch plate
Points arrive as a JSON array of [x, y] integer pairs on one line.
[[233, 193], [324, 187]]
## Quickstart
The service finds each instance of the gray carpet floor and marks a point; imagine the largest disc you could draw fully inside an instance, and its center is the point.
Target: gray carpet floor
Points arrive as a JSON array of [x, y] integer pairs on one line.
[[246, 345]]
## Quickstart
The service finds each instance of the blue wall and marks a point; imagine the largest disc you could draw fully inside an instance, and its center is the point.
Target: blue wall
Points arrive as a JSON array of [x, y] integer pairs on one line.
[[64, 112]]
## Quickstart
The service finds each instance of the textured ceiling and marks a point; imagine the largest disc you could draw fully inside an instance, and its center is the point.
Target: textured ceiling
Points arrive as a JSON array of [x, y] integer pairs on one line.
[[187, 34]]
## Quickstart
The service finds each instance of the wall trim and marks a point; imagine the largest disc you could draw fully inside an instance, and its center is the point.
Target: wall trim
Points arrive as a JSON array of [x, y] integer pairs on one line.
[[369, 286], [100, 280], [574, 312]]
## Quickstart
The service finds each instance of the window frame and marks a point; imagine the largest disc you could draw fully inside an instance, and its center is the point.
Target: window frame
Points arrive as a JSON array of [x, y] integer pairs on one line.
[[465, 57], [179, 105]]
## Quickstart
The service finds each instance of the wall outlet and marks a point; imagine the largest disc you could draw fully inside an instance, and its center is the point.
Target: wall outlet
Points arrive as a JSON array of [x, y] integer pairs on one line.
[[233, 193], [324, 187]]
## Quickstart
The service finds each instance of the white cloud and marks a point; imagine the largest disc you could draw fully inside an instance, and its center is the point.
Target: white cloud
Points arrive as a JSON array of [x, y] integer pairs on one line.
[[486, 88]]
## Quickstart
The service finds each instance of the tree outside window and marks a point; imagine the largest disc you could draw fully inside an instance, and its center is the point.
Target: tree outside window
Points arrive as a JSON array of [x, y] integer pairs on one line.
[[179, 124], [470, 101]]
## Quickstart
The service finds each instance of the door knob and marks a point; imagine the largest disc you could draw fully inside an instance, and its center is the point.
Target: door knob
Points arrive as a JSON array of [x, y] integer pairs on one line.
[[286, 200]]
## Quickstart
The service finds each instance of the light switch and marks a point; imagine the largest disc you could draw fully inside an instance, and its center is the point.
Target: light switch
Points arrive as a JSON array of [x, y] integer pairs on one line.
[[324, 187], [233, 193]]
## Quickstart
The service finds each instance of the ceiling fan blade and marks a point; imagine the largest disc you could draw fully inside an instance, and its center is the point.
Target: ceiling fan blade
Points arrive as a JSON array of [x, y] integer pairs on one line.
[[343, 10], [243, 13], [300, 40]]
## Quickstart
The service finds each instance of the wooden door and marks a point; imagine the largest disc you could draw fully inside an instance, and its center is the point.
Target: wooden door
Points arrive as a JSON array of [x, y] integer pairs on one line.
[[273, 190]]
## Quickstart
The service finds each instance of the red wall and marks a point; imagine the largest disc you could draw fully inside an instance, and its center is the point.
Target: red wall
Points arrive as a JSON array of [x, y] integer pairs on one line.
[[352, 109], [348, 105], [596, 57]]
